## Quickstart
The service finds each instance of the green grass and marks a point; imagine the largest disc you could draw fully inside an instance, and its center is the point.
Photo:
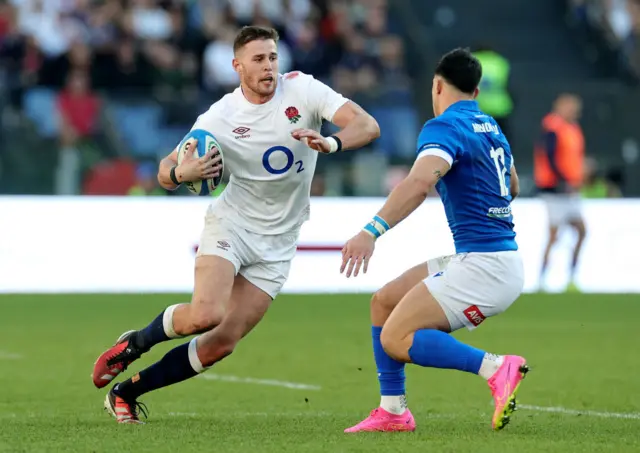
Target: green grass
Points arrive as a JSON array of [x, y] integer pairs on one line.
[[582, 350]]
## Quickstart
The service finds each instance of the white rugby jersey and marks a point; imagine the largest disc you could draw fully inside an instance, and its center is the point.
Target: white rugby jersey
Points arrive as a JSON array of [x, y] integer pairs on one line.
[[270, 171]]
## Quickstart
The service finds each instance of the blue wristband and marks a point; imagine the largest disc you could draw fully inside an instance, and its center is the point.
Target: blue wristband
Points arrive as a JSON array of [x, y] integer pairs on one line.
[[377, 227]]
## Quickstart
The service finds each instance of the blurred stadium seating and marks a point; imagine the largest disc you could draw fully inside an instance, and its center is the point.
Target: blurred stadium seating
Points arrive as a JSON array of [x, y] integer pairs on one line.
[[153, 65]]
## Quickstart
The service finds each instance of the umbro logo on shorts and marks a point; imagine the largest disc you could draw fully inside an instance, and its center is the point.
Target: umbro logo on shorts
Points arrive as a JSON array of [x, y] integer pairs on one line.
[[224, 245]]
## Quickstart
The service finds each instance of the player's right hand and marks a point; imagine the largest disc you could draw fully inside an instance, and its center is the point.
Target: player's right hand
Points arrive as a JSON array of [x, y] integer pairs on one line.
[[357, 252], [193, 169]]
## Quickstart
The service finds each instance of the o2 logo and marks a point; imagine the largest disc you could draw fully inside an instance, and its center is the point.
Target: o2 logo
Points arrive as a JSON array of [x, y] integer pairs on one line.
[[289, 155]]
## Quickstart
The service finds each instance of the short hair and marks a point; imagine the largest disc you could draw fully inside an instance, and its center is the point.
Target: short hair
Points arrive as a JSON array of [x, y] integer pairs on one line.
[[461, 69], [253, 33]]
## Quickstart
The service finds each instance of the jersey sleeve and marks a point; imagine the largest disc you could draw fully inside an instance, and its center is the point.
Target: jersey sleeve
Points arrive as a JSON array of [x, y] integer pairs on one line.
[[439, 138], [321, 98]]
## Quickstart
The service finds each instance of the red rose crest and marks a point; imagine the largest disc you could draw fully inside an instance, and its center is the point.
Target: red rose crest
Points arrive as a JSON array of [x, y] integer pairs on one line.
[[292, 114]]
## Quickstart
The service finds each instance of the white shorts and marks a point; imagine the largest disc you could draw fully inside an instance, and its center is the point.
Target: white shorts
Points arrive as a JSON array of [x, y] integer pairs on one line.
[[262, 259], [471, 287], [562, 208]]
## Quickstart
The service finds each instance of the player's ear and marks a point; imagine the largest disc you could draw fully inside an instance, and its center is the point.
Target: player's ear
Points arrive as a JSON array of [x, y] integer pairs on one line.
[[476, 92], [236, 65]]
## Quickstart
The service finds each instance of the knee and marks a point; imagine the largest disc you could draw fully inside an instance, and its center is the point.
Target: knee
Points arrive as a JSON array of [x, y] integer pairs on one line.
[[382, 303], [205, 315], [220, 344]]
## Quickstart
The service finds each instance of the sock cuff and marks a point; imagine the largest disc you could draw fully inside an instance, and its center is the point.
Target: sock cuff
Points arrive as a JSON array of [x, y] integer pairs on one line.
[[376, 330], [194, 360], [167, 322]]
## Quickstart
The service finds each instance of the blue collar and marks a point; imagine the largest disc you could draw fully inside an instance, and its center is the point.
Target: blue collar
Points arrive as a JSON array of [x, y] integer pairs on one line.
[[463, 105]]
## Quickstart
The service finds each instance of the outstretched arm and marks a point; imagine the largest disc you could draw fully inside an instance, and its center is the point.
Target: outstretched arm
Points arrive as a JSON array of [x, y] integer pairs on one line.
[[438, 147], [402, 201], [412, 191]]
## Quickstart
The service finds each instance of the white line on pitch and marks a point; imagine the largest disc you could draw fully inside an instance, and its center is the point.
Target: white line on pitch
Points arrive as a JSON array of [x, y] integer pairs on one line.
[[562, 410], [248, 380], [4, 355]]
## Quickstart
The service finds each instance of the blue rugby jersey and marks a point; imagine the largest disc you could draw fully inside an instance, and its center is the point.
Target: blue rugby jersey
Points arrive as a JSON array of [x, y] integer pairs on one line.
[[476, 190]]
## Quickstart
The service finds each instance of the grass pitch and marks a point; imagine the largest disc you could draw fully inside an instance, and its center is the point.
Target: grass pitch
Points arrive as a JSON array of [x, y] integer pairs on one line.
[[307, 372]]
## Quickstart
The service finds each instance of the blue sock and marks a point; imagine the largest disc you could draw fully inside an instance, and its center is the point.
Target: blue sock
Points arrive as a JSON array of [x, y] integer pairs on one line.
[[151, 335], [174, 367], [390, 371], [436, 349]]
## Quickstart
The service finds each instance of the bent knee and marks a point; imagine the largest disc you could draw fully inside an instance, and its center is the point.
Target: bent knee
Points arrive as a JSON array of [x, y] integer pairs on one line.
[[216, 347], [205, 315], [580, 229], [384, 300]]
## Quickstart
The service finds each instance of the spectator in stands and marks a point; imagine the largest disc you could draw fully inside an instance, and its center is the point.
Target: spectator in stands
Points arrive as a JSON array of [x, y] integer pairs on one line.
[[131, 70], [309, 51], [218, 72], [79, 113], [395, 112], [19, 56]]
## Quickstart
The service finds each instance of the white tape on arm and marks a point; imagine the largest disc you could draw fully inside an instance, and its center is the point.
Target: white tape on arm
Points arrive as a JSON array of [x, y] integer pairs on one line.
[[436, 152]]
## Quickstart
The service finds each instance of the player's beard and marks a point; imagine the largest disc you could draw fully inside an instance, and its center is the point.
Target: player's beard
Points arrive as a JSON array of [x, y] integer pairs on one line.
[[264, 86]]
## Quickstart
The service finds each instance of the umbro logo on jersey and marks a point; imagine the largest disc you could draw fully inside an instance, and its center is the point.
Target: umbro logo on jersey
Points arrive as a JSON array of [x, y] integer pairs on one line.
[[241, 132]]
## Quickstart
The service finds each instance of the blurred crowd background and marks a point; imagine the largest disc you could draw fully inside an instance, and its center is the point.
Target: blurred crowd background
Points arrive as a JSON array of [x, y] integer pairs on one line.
[[94, 92]]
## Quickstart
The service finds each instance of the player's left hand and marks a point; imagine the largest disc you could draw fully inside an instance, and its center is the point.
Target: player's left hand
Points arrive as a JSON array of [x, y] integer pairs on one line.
[[357, 252], [312, 139]]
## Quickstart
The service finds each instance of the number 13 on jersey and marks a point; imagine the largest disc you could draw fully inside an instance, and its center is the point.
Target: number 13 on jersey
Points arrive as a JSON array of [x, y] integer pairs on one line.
[[498, 159]]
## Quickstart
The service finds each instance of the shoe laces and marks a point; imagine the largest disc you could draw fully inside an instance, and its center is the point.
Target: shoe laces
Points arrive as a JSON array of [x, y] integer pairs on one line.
[[139, 408], [136, 408]]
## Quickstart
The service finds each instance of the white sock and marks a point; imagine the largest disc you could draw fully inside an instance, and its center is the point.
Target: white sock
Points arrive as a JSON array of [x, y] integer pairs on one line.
[[490, 364], [394, 404]]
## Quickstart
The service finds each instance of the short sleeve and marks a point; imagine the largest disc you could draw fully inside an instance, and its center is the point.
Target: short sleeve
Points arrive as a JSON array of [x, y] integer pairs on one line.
[[438, 138], [320, 97]]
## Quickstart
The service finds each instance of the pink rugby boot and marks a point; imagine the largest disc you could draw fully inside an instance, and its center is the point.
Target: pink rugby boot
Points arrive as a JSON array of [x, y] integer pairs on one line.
[[504, 385], [381, 420]]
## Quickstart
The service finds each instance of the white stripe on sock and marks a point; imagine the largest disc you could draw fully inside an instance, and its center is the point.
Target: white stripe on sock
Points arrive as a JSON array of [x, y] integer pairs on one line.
[[167, 322], [194, 360]]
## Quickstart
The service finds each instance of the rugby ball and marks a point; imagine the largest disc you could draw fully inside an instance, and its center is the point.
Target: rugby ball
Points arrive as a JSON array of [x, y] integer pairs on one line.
[[206, 142]]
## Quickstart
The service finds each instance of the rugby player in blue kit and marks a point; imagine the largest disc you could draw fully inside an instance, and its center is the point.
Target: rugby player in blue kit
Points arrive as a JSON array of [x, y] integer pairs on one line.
[[463, 153]]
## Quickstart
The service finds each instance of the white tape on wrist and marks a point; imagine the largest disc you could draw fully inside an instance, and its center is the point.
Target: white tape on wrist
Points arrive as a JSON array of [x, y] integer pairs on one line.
[[333, 144]]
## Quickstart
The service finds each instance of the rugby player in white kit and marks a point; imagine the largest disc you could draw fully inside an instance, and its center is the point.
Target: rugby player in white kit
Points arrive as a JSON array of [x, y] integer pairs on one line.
[[268, 129]]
